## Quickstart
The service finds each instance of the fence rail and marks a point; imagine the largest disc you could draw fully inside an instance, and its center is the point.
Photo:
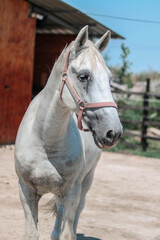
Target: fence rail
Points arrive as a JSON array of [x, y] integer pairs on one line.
[[149, 94], [138, 107], [127, 133], [145, 122]]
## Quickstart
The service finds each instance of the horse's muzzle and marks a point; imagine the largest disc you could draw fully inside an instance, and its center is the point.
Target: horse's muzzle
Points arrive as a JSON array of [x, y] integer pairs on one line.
[[109, 140]]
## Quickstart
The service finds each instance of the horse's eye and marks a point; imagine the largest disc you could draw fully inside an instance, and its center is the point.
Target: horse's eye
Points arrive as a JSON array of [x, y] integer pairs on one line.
[[84, 77]]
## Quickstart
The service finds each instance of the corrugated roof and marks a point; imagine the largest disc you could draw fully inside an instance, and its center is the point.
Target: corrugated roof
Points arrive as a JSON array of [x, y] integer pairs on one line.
[[61, 18]]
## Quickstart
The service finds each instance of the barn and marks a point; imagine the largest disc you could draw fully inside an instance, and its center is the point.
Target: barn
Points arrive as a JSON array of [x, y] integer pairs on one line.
[[32, 35]]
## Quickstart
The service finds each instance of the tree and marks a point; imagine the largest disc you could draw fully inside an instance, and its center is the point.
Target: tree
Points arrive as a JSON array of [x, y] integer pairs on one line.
[[125, 75]]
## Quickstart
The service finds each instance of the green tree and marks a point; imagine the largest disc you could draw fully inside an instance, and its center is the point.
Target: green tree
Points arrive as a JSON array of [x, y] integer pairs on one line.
[[125, 74]]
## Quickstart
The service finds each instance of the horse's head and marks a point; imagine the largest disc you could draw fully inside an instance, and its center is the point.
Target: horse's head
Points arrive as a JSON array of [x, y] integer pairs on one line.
[[90, 79]]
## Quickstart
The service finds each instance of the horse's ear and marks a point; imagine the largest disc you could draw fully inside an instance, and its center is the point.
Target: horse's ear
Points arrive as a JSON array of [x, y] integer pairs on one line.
[[102, 43], [81, 37]]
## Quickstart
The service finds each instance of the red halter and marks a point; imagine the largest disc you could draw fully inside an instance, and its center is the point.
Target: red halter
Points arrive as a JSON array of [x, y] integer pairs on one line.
[[82, 104]]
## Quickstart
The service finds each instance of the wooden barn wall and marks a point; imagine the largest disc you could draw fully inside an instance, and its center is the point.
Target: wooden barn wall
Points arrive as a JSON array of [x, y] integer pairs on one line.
[[17, 39], [48, 48]]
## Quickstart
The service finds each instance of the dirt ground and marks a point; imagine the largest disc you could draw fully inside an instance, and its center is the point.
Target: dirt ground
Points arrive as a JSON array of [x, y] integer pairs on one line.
[[123, 203]]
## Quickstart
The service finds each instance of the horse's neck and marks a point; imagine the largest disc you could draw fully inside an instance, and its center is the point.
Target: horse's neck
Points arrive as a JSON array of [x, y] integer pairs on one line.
[[54, 116], [56, 122]]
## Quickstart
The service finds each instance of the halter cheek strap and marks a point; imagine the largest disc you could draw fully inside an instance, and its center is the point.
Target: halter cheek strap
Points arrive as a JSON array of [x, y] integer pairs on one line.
[[82, 105]]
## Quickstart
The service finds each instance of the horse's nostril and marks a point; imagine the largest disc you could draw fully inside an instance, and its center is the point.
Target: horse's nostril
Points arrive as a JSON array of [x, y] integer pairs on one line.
[[110, 135]]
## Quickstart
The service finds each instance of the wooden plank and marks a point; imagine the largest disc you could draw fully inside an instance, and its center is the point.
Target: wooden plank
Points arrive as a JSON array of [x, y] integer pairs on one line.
[[17, 38], [128, 133], [151, 123], [152, 138], [136, 93], [136, 122], [133, 107]]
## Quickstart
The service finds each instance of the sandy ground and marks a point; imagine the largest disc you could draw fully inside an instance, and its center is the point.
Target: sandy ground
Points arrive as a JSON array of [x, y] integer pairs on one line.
[[123, 203]]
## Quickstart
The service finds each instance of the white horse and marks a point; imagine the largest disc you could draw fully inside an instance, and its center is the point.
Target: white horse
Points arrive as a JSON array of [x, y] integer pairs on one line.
[[51, 153]]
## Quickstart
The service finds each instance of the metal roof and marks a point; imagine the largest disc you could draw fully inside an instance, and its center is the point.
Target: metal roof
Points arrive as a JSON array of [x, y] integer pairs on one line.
[[61, 18]]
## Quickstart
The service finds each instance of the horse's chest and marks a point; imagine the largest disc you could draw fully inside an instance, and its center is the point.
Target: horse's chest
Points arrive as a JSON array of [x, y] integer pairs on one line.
[[69, 166]]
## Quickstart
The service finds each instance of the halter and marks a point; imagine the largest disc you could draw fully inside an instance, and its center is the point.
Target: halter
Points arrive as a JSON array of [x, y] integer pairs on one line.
[[82, 105]]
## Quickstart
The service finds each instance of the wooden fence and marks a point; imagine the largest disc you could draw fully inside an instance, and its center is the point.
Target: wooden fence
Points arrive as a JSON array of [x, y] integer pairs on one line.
[[144, 123]]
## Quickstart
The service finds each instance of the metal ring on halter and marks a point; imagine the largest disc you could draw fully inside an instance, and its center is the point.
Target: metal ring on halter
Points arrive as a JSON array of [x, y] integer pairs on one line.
[[82, 104], [64, 76]]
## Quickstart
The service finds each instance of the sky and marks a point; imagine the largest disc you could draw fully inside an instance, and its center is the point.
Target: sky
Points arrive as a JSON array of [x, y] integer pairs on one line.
[[142, 38]]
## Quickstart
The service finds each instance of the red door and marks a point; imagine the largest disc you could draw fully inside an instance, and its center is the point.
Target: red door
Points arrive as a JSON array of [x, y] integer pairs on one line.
[[17, 39]]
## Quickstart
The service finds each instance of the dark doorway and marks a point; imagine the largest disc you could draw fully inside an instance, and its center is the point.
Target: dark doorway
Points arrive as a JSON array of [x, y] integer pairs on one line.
[[47, 49]]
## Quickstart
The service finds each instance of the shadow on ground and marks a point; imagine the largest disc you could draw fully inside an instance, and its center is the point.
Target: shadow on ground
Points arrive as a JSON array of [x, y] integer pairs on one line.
[[82, 237]]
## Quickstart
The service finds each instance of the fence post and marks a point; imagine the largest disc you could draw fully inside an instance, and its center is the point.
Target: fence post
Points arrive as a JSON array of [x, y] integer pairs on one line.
[[145, 116]]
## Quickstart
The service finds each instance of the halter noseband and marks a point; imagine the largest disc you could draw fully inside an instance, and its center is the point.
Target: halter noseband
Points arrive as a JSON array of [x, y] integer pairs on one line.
[[82, 104]]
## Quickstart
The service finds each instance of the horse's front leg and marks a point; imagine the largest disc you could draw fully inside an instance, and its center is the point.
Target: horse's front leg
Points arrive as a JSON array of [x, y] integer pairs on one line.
[[70, 204], [86, 184], [59, 219], [29, 201]]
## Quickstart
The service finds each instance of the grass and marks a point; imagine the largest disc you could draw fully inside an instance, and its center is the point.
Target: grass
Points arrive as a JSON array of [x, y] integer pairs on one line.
[[132, 145]]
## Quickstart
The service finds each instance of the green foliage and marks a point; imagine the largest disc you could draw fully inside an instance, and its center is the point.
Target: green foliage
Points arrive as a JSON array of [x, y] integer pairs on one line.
[[130, 114], [121, 72], [125, 74], [154, 115]]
